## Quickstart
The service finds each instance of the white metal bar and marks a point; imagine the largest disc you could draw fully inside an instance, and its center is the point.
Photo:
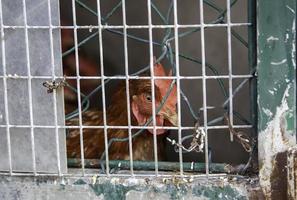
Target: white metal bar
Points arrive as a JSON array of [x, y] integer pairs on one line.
[[176, 43], [202, 32], [127, 85], [78, 89], [5, 91], [149, 10], [130, 77], [125, 127], [169, 175], [29, 88], [103, 88], [54, 91], [230, 66], [129, 26]]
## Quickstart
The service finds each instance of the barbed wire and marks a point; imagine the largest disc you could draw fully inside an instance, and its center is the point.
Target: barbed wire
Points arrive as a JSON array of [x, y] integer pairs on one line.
[[168, 52]]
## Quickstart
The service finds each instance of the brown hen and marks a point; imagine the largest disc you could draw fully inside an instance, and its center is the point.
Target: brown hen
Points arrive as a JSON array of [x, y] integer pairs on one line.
[[116, 113]]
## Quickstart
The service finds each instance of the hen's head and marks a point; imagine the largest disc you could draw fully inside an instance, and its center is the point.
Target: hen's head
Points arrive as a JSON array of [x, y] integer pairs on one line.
[[141, 102]]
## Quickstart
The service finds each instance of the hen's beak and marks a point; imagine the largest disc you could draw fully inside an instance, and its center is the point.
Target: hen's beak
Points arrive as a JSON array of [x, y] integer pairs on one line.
[[169, 114]]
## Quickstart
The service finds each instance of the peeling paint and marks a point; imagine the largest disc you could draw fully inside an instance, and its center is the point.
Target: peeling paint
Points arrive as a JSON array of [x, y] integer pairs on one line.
[[279, 62], [287, 37], [271, 92], [293, 51], [226, 188], [274, 139], [271, 38], [172, 188], [292, 10], [267, 112], [224, 192]]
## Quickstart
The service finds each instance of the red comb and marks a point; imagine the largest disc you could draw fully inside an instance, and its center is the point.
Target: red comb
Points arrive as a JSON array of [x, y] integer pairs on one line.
[[164, 85]]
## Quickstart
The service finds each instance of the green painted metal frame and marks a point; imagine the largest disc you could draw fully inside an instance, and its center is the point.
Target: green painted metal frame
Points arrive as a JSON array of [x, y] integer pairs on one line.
[[276, 68], [276, 59], [164, 166]]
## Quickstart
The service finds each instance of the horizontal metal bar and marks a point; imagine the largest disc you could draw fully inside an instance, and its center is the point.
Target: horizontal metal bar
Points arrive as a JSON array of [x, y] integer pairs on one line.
[[150, 165], [127, 26], [129, 77], [122, 175], [124, 127]]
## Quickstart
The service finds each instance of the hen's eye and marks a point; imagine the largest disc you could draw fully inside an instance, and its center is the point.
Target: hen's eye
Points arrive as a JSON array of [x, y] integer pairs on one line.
[[148, 97]]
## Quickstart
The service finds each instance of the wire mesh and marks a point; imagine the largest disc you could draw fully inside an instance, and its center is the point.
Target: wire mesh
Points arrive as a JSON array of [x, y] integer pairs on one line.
[[173, 33], [30, 149]]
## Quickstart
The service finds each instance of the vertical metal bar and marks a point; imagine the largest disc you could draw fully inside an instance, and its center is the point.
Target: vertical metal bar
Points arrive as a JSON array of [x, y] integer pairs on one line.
[[5, 90], [204, 85], [54, 91], [152, 84], [230, 66], [103, 87], [29, 88], [178, 84], [127, 85], [252, 51], [78, 89]]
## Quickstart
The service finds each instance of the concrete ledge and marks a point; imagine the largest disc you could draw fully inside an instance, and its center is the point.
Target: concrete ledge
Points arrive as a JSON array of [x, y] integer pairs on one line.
[[84, 188]]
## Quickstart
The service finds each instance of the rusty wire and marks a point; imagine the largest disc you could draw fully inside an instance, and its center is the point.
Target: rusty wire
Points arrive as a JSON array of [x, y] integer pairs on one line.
[[197, 143], [240, 136], [54, 84]]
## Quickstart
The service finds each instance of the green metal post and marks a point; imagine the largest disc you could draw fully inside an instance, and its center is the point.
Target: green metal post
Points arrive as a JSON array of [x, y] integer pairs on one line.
[[276, 92]]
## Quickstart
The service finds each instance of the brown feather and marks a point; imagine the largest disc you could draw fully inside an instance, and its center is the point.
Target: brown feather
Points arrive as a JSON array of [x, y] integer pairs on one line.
[[116, 113]]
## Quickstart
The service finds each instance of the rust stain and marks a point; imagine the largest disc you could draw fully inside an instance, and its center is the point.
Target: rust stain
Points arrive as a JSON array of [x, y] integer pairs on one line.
[[273, 144], [292, 173], [278, 177]]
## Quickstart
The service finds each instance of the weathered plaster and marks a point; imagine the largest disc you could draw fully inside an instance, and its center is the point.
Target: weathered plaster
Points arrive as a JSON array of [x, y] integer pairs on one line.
[[274, 140], [30, 188], [292, 173]]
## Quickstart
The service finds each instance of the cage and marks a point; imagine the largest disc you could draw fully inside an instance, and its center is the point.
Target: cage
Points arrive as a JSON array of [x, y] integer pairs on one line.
[[183, 94]]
